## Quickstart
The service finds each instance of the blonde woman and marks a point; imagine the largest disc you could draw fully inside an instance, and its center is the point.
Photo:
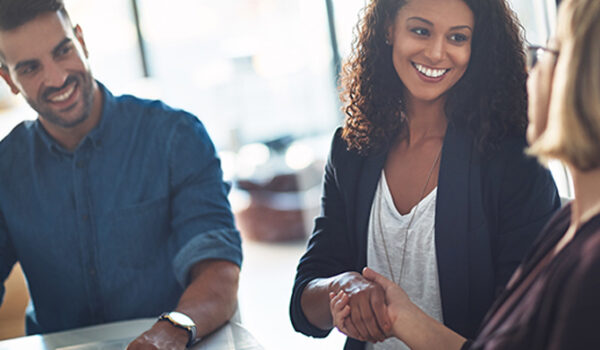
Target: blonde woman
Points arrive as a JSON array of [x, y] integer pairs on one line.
[[553, 300]]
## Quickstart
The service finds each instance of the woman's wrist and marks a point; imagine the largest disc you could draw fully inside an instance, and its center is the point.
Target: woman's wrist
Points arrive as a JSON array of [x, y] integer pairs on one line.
[[420, 331], [408, 320]]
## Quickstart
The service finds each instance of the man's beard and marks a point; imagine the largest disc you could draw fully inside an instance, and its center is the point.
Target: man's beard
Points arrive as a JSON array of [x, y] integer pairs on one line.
[[84, 84]]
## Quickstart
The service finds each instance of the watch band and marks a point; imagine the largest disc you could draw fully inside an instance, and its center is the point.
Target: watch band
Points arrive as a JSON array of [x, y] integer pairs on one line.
[[182, 321]]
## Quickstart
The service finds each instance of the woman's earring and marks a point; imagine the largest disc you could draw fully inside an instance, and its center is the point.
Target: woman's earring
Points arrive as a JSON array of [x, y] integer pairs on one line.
[[387, 42]]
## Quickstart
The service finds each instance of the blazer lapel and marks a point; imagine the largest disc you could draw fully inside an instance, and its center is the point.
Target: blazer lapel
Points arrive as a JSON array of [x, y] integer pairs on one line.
[[451, 225], [368, 179]]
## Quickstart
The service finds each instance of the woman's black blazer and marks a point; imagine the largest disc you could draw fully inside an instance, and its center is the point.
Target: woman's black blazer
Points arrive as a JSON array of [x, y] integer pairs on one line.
[[489, 210]]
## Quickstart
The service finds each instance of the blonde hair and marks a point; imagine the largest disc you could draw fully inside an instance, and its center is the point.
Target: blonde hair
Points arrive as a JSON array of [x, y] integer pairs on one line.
[[573, 130]]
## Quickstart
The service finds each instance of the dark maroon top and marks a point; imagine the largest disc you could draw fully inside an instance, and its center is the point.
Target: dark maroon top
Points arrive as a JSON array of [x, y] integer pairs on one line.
[[560, 308]]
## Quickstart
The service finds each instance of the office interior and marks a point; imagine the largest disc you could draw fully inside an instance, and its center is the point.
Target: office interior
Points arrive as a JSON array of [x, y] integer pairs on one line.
[[262, 77]]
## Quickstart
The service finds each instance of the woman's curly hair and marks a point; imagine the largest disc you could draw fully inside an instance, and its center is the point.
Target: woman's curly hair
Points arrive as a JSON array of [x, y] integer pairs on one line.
[[490, 100]]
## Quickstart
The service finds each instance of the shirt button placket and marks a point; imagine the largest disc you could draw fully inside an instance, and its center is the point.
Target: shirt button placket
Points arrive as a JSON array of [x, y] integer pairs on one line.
[[87, 232]]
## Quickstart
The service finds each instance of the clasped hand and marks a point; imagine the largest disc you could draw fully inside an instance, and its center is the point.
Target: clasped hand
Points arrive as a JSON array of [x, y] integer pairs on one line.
[[358, 308], [366, 307]]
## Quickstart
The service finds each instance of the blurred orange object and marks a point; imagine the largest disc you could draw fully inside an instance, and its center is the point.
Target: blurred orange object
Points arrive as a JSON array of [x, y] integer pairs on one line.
[[12, 311]]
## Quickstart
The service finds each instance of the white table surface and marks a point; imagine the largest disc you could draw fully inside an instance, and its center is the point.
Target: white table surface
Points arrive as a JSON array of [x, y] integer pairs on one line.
[[232, 336]]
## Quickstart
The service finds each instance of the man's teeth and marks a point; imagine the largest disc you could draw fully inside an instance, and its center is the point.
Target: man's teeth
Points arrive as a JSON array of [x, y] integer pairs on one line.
[[432, 73], [64, 96]]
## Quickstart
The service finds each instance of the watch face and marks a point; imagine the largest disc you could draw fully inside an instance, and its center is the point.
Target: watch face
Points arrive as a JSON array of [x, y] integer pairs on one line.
[[181, 319]]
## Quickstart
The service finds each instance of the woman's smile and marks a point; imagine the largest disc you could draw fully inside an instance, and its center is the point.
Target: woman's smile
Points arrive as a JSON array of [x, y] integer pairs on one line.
[[430, 74]]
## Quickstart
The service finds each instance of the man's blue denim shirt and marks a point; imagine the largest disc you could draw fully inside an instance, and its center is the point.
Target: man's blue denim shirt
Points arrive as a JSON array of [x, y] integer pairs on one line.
[[109, 231]]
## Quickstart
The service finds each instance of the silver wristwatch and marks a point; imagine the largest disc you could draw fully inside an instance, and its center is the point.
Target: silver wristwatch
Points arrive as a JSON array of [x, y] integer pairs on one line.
[[183, 321]]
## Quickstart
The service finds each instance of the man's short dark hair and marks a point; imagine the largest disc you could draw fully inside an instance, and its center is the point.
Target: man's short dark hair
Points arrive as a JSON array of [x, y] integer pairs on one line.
[[15, 13]]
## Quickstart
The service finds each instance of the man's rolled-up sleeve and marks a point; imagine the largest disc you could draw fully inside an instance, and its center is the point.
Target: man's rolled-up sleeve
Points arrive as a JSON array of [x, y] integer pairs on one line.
[[201, 219]]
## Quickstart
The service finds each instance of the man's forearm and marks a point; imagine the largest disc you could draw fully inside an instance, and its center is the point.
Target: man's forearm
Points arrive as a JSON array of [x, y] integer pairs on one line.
[[209, 300], [211, 297]]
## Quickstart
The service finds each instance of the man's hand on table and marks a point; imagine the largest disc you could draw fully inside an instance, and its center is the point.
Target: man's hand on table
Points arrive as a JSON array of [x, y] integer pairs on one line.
[[162, 336], [210, 300]]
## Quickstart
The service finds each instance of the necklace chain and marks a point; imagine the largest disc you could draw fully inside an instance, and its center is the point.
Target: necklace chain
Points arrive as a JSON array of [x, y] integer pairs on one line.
[[414, 212]]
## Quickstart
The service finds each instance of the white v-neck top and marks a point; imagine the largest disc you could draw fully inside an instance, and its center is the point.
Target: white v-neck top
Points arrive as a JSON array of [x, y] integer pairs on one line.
[[420, 274]]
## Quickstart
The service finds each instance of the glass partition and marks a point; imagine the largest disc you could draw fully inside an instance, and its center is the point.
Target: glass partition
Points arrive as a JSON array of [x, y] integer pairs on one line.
[[250, 70]]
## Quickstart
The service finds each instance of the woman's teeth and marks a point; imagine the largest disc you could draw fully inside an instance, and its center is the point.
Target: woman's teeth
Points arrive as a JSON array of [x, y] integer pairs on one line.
[[431, 73]]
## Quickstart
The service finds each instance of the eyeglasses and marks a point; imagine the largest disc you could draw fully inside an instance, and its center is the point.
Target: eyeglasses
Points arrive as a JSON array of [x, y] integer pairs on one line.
[[535, 53]]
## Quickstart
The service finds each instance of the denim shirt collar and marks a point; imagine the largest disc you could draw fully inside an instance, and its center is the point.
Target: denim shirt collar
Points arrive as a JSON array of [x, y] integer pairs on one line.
[[95, 136]]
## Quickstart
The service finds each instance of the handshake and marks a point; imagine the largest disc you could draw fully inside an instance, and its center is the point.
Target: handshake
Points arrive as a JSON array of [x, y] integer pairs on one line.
[[370, 307]]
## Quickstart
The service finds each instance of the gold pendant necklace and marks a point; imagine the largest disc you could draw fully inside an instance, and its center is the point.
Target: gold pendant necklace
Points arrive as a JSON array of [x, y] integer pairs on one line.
[[414, 212]]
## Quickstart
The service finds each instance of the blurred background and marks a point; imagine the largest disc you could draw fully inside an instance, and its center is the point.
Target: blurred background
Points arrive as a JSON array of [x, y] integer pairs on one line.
[[261, 75]]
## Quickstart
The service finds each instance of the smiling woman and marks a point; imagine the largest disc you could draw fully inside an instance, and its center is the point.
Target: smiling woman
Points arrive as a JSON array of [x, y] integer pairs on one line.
[[431, 47], [427, 182], [489, 100]]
